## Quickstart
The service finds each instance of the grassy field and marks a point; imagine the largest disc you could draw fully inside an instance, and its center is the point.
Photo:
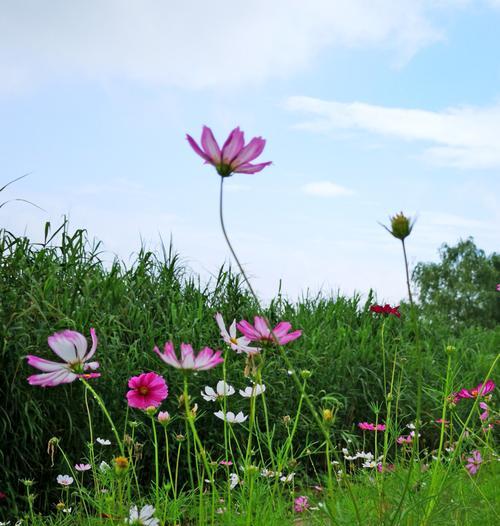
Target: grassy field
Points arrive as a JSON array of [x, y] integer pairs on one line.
[[349, 366]]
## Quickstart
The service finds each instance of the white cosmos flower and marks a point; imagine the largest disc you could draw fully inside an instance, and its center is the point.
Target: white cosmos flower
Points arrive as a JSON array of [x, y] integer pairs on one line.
[[64, 480], [411, 426], [103, 441], [288, 478], [222, 389], [254, 390], [369, 464], [231, 418], [270, 474], [104, 466], [235, 480], [66, 510], [229, 336], [143, 517]]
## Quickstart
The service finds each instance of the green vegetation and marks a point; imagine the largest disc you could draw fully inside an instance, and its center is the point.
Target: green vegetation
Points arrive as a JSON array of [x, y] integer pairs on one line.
[[64, 283]]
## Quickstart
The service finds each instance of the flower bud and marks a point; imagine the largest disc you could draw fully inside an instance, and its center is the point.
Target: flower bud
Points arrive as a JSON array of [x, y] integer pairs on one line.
[[164, 417], [450, 349], [327, 415], [305, 374], [60, 506], [151, 410], [286, 420], [401, 226]]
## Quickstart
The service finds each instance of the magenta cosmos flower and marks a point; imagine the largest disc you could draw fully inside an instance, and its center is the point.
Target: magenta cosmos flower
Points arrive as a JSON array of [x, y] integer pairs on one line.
[[365, 426], [260, 331], [234, 157], [70, 346], [474, 462], [146, 390], [206, 358], [480, 390]]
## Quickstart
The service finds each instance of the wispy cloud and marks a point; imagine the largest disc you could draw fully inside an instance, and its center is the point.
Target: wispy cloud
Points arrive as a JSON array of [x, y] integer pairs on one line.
[[197, 44], [326, 189], [462, 137]]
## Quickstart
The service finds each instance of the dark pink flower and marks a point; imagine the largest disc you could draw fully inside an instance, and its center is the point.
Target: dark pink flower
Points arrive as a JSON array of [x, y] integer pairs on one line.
[[388, 467], [386, 309], [261, 332], [474, 462], [480, 390], [234, 157], [206, 358], [498, 287], [365, 426], [300, 504], [70, 346], [146, 390]]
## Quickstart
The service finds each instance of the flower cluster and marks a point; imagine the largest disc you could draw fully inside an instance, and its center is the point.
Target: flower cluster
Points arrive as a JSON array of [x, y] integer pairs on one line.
[[365, 426]]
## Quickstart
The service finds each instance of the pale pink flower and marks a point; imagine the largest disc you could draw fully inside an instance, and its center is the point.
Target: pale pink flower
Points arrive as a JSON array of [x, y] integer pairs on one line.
[[146, 390], [163, 417], [234, 157], [64, 480], [301, 504], [498, 287], [261, 331], [225, 463], [405, 439], [474, 462], [71, 346], [206, 358], [229, 336], [484, 416], [82, 467]]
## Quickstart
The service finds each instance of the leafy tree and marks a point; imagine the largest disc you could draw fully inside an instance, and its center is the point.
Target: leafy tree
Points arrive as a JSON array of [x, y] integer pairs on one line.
[[462, 286]]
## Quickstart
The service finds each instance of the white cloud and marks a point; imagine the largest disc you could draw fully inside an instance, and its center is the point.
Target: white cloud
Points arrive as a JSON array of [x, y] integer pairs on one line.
[[196, 44], [463, 137], [326, 189]]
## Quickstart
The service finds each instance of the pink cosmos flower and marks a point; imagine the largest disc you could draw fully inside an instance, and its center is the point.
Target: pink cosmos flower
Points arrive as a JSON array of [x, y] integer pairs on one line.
[[234, 157], [225, 463], [480, 390], [146, 390], [498, 287], [206, 358], [229, 336], [388, 467], [82, 467], [365, 426], [301, 504], [71, 346], [261, 332], [484, 416], [441, 421], [405, 439], [474, 462]]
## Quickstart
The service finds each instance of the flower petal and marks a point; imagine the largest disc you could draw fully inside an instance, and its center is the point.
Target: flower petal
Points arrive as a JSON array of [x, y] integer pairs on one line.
[[68, 345], [248, 168], [251, 151], [187, 356], [233, 145], [197, 149], [210, 146], [45, 365]]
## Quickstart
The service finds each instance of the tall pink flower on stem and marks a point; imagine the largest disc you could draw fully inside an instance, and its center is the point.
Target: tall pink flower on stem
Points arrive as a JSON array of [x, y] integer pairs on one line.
[[234, 157], [70, 346], [146, 390], [474, 462], [261, 332], [204, 360]]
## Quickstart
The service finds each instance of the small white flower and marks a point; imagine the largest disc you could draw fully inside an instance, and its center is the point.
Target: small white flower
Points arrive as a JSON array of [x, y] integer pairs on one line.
[[66, 510], [289, 372], [231, 418], [288, 478], [369, 464], [103, 441], [143, 517], [64, 480], [104, 466], [222, 389], [4, 523], [235, 480], [345, 451], [240, 344], [411, 426], [254, 390], [335, 463], [270, 474]]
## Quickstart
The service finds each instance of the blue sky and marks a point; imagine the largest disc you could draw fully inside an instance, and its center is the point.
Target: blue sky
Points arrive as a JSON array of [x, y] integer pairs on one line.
[[368, 108]]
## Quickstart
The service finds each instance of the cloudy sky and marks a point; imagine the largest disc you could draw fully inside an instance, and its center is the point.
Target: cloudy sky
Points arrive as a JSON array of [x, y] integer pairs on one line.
[[369, 107]]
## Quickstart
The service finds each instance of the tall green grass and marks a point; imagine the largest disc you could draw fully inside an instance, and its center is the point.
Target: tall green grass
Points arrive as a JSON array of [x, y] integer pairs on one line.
[[64, 282]]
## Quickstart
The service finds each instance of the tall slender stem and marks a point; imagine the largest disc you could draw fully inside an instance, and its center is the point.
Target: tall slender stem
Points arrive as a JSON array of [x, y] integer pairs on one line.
[[407, 273]]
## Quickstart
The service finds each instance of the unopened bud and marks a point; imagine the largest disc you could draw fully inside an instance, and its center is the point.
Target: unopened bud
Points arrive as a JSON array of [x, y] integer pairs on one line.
[[401, 226], [164, 417]]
